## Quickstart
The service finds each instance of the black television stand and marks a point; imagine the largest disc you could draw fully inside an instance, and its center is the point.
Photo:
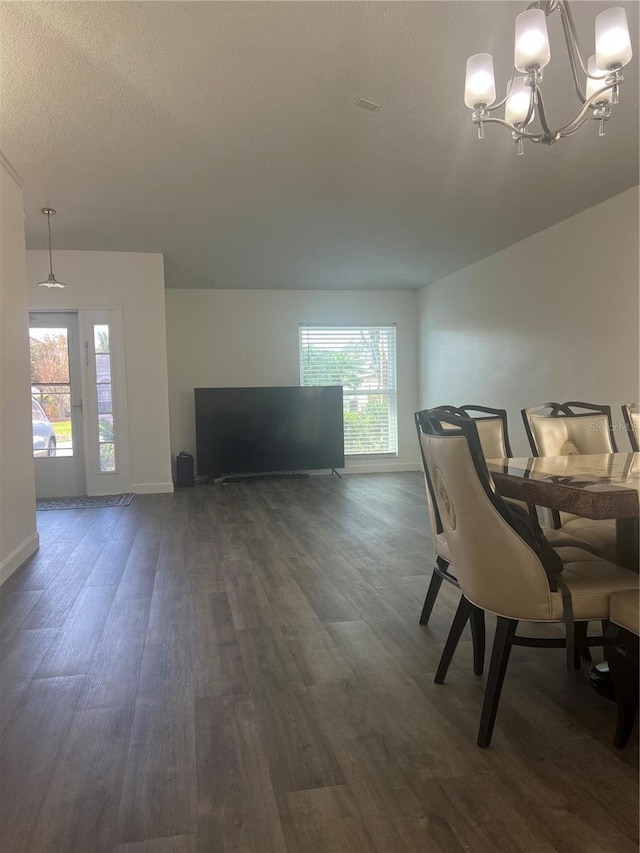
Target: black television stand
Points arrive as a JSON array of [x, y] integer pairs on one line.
[[333, 471], [270, 475]]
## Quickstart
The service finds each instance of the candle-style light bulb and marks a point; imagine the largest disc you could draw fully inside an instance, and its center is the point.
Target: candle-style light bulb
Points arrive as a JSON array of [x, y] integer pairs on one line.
[[518, 102], [480, 84], [613, 44], [532, 49]]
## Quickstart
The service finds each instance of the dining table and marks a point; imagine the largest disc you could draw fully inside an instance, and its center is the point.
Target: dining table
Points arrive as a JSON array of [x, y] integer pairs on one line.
[[603, 485]]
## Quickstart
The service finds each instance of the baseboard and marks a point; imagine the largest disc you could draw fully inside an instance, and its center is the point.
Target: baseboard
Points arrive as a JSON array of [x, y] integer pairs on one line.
[[380, 466], [17, 557], [369, 466], [152, 488]]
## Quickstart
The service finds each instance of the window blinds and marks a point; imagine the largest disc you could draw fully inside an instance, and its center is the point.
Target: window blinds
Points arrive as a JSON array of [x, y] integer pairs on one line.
[[363, 360]]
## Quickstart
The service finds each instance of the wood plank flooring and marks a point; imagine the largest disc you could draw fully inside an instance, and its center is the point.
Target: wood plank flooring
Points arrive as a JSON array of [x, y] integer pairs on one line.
[[240, 668]]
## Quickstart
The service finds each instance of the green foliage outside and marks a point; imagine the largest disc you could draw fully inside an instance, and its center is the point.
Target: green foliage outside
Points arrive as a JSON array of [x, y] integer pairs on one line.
[[49, 360], [50, 375], [366, 427], [105, 428], [101, 339], [367, 430], [62, 430], [334, 367], [107, 457]]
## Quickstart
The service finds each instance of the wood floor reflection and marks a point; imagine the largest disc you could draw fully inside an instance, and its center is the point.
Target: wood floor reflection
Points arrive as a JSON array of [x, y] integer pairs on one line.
[[241, 668]]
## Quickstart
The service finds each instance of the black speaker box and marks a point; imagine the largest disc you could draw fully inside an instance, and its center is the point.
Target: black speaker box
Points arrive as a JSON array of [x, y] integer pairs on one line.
[[184, 470]]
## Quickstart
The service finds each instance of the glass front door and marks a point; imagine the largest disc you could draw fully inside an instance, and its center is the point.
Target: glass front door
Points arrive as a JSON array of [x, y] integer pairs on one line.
[[56, 405]]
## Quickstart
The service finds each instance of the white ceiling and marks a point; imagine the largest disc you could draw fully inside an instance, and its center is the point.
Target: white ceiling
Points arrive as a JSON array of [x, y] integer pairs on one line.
[[225, 135]]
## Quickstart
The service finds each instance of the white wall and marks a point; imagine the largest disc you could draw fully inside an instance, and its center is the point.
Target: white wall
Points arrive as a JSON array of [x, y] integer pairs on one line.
[[18, 536], [250, 338], [135, 283], [554, 317]]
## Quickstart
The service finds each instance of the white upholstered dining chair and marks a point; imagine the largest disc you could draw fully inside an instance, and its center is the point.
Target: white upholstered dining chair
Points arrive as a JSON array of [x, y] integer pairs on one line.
[[503, 563], [493, 433], [443, 571], [565, 429], [494, 438]]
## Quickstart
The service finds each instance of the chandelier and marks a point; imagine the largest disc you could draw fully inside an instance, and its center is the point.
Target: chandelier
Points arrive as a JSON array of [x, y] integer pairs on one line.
[[523, 102]]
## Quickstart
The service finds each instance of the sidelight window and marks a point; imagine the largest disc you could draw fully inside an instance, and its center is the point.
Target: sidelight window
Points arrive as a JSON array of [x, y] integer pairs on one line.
[[104, 396]]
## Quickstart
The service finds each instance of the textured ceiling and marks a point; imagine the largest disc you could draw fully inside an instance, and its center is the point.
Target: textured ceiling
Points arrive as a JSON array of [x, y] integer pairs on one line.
[[225, 135]]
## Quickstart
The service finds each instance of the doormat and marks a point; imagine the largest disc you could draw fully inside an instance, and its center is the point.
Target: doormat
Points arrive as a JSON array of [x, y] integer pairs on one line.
[[85, 502]]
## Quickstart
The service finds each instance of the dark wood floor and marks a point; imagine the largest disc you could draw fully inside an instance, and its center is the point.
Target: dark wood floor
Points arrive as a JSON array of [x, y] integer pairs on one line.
[[240, 668]]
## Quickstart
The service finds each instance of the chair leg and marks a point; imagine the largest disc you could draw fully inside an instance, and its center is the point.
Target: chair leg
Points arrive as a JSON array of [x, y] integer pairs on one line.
[[478, 636], [457, 627], [581, 645], [623, 667], [505, 631], [430, 598]]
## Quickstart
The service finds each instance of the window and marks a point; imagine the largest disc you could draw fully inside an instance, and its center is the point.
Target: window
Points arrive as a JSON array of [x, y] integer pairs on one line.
[[104, 391], [363, 360], [50, 392], [105, 409]]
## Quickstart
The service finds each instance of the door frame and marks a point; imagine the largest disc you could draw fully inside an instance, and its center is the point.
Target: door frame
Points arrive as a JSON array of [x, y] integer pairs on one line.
[[95, 481]]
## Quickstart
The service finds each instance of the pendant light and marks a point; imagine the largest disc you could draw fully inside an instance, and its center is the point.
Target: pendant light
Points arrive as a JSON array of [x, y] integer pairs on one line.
[[51, 281]]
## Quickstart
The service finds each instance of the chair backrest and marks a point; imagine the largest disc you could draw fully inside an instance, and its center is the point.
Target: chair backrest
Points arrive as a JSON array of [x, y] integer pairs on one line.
[[491, 425], [564, 429], [434, 515], [498, 570], [631, 415], [492, 430], [494, 439]]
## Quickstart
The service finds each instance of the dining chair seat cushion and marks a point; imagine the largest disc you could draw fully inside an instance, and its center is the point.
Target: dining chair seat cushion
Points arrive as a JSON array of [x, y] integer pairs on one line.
[[624, 610], [599, 534], [567, 517], [591, 581], [560, 539]]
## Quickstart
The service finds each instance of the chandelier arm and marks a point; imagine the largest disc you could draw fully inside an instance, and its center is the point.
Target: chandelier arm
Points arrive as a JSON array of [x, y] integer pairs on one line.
[[565, 9], [573, 50], [577, 120], [547, 6], [541, 113], [532, 103], [504, 100], [578, 126], [534, 137], [569, 129]]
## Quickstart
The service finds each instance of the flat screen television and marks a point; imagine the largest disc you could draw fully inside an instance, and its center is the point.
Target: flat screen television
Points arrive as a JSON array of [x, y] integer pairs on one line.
[[259, 430]]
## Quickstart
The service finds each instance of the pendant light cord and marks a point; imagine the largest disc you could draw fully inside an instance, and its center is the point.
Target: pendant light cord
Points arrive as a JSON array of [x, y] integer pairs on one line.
[[50, 257]]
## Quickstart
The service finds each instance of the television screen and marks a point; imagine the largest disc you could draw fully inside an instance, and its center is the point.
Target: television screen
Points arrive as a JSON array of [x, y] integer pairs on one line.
[[258, 430]]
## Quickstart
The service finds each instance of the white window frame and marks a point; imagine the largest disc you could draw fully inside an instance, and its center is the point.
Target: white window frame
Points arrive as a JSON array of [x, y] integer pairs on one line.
[[309, 333]]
